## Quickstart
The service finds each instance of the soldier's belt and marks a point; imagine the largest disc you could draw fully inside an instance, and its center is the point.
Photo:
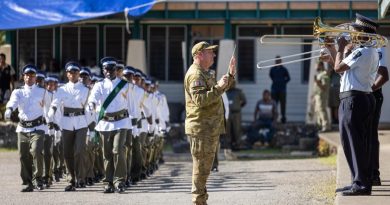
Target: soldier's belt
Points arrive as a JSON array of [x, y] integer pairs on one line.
[[72, 112], [350, 93], [32, 123], [115, 116]]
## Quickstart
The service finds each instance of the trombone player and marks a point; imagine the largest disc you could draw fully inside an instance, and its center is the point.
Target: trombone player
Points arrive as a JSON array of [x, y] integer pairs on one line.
[[357, 69]]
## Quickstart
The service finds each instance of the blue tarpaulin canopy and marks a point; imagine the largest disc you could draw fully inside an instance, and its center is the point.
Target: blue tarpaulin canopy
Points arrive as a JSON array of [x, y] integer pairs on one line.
[[19, 14]]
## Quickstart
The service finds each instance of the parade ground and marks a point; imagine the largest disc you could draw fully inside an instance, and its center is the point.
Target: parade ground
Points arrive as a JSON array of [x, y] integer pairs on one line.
[[249, 182]]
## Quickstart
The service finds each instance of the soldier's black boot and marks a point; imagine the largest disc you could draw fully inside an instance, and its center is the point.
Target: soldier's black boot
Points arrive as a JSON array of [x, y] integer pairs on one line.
[[71, 187], [134, 181], [39, 185], [28, 188], [109, 188], [119, 188], [90, 181], [143, 176]]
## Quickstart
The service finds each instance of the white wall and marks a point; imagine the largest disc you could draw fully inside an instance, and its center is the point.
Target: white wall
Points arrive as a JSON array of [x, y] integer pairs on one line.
[[297, 92]]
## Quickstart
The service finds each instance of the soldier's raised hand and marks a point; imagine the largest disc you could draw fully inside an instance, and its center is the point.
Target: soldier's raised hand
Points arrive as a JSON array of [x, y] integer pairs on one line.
[[223, 82], [232, 66]]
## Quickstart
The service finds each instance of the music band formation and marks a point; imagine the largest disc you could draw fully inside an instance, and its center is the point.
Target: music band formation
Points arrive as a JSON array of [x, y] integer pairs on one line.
[[71, 128]]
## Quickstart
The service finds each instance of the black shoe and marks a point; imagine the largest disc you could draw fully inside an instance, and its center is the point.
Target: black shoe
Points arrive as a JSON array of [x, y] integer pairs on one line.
[[109, 188], [134, 181], [128, 183], [343, 189], [81, 184], [90, 182], [357, 190], [143, 176], [119, 188], [161, 161], [376, 181], [70, 187], [28, 188], [215, 169], [57, 177], [39, 187], [46, 185]]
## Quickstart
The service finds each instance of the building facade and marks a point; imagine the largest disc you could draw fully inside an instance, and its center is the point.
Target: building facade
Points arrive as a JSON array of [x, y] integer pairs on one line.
[[171, 28]]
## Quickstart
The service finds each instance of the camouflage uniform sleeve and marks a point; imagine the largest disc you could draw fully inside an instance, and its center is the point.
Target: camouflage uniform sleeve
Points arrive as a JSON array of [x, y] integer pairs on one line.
[[200, 95], [231, 79]]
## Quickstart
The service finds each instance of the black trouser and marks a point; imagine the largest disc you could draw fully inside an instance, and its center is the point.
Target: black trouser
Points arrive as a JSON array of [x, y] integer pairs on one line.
[[47, 155], [280, 97], [355, 115], [374, 162]]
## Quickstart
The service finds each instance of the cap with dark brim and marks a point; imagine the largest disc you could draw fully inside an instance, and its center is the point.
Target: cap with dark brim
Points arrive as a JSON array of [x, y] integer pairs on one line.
[[30, 69]]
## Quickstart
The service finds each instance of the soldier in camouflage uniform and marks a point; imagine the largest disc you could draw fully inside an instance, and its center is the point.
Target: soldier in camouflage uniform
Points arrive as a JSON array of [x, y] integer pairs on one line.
[[320, 94], [204, 115]]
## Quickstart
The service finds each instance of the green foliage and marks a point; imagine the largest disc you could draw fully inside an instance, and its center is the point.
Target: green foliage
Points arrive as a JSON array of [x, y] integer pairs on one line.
[[323, 148]]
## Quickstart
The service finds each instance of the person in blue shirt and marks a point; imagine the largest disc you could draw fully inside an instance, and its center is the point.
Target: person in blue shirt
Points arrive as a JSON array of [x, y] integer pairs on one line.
[[280, 77]]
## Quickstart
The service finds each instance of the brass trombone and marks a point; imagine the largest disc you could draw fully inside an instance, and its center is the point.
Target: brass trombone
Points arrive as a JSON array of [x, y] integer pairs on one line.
[[321, 31], [260, 65], [325, 35]]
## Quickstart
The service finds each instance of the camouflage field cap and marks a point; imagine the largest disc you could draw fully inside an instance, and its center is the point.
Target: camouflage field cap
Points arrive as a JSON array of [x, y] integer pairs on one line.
[[202, 46]]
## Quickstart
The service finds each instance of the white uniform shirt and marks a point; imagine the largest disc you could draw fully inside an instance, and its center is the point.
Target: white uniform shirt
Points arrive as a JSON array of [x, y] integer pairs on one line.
[[72, 95], [148, 109], [32, 102], [122, 100], [363, 63], [138, 99]]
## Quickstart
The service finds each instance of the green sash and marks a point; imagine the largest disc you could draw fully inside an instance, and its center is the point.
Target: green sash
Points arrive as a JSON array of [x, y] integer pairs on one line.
[[110, 98], [107, 102]]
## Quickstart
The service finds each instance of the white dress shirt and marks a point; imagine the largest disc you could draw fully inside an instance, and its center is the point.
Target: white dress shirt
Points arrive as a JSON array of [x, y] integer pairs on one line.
[[32, 102], [72, 95], [148, 109], [363, 63], [100, 92]]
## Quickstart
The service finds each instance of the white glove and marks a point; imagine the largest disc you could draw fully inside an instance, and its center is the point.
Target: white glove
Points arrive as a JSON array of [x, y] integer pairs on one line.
[[57, 136], [50, 114], [51, 132], [91, 135], [7, 114], [135, 131], [150, 128], [91, 107]]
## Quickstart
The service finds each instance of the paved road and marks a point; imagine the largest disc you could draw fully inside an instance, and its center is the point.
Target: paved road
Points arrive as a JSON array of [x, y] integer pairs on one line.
[[238, 182]]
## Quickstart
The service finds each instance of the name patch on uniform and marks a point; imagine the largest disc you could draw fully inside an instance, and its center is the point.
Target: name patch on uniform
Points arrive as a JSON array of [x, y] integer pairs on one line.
[[198, 83], [356, 55]]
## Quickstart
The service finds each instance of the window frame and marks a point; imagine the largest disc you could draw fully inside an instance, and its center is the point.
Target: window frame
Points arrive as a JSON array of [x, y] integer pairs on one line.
[[166, 52], [35, 45], [254, 38], [79, 40]]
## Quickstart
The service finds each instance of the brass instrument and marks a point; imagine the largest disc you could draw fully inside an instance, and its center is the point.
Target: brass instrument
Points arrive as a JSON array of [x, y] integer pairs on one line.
[[263, 64], [322, 31], [325, 35]]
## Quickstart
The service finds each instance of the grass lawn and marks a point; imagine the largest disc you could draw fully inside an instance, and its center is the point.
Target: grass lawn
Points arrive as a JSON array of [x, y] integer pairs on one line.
[[5, 149]]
